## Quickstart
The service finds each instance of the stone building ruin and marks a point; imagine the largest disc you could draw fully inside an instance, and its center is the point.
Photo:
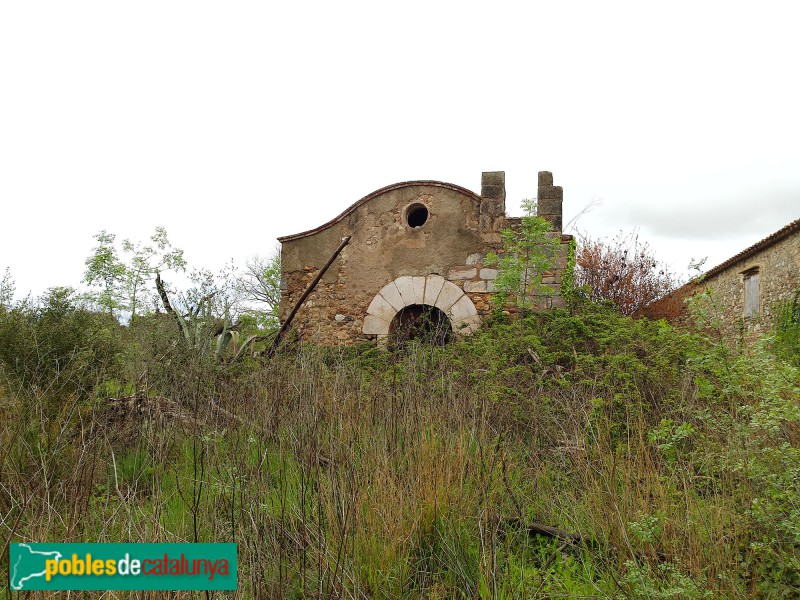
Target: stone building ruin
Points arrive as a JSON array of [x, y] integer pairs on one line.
[[416, 255], [746, 288]]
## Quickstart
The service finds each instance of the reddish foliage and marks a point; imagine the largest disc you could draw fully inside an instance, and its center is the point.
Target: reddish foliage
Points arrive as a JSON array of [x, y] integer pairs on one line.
[[622, 270]]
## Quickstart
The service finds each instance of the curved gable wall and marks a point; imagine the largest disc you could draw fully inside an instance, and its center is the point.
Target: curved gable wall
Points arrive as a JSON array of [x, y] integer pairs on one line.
[[375, 194], [383, 246], [462, 227]]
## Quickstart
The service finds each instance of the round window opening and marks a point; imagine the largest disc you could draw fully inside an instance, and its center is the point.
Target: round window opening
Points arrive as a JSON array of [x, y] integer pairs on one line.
[[416, 215]]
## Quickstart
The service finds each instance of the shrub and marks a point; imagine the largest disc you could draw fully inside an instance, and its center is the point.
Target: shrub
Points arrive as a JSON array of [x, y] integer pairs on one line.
[[787, 329], [528, 252], [56, 346], [623, 271]]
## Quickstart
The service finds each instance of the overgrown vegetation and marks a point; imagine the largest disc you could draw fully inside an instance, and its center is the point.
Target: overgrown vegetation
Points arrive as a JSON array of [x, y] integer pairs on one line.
[[787, 330], [570, 453], [528, 253], [355, 472]]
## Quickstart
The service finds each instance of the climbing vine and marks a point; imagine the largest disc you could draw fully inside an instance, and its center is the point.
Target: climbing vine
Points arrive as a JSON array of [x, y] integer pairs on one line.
[[568, 291]]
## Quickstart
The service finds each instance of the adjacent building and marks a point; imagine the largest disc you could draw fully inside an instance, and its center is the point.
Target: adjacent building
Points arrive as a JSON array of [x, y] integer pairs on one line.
[[746, 288]]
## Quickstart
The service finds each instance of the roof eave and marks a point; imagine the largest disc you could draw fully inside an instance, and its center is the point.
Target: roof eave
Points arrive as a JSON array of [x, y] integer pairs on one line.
[[768, 241]]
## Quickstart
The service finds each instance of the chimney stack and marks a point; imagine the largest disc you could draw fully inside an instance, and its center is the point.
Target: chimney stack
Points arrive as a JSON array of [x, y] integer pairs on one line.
[[493, 200], [549, 200]]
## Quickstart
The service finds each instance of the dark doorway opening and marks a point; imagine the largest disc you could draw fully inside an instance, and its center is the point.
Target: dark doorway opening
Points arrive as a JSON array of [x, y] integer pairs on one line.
[[426, 324]]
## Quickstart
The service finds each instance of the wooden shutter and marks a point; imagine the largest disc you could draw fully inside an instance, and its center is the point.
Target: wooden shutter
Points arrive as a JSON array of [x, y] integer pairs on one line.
[[751, 295]]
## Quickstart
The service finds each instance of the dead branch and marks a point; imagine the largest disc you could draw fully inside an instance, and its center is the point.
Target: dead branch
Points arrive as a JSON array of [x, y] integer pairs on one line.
[[162, 292], [551, 532], [305, 295]]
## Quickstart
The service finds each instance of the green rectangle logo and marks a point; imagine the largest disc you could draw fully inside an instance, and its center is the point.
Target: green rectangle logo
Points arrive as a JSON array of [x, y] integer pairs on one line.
[[122, 567]]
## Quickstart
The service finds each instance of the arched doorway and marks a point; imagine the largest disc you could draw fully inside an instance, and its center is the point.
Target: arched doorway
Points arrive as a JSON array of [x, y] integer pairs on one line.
[[421, 322], [432, 291]]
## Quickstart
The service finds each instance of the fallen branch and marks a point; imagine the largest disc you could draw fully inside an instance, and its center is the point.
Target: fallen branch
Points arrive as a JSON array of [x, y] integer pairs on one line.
[[551, 532]]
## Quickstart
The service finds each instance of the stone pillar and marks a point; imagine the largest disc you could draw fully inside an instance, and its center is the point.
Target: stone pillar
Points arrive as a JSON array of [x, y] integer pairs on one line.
[[549, 200], [493, 201]]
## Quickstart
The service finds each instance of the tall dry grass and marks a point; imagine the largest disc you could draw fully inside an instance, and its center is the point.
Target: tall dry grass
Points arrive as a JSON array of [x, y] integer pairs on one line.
[[363, 474]]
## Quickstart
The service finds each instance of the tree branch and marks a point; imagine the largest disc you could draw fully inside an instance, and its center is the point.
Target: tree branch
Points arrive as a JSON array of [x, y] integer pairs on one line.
[[162, 292]]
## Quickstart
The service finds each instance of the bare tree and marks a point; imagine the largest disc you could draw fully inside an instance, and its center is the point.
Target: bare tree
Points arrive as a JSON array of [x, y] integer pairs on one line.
[[622, 270], [259, 283]]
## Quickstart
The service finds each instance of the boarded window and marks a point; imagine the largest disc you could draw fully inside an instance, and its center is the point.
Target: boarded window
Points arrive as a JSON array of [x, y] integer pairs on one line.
[[751, 294]]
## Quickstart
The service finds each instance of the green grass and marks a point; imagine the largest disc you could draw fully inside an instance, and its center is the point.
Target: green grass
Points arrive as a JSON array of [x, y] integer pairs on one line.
[[358, 473]]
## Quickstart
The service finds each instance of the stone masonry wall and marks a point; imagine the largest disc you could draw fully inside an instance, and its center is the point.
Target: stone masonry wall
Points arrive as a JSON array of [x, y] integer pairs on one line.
[[462, 228], [778, 267]]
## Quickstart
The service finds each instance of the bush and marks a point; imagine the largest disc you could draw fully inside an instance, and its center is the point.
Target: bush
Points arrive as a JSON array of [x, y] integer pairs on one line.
[[787, 329], [622, 271], [56, 346]]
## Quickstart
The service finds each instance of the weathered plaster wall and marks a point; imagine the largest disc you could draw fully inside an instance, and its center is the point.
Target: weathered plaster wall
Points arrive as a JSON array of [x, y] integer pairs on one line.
[[461, 229], [778, 266]]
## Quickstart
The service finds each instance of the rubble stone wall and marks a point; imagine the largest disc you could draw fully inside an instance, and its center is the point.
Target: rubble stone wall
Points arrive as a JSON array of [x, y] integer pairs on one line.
[[778, 267], [348, 305]]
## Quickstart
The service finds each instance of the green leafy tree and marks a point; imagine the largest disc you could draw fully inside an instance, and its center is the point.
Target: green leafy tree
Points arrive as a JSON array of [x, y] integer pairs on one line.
[[123, 282], [528, 252], [105, 270], [144, 261]]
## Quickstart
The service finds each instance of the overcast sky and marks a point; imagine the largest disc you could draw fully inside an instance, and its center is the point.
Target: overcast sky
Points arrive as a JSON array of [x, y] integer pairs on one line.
[[233, 123]]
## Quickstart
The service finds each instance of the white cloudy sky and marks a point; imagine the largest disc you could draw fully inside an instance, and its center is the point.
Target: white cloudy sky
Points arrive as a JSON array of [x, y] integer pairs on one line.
[[233, 123]]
